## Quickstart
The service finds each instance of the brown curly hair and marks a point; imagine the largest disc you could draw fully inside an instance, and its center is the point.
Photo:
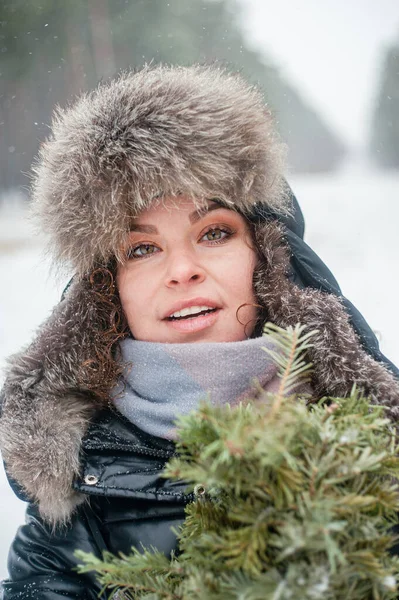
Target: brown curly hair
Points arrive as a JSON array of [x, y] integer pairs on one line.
[[100, 372]]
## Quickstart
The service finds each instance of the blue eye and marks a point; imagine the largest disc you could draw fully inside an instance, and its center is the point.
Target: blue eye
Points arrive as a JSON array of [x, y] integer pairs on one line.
[[142, 251]]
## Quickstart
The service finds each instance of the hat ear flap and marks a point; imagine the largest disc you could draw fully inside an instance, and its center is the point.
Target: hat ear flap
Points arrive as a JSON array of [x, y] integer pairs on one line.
[[70, 349], [54, 387], [44, 402]]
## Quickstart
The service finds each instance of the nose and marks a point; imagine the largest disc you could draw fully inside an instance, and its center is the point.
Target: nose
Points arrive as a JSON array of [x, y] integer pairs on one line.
[[183, 268]]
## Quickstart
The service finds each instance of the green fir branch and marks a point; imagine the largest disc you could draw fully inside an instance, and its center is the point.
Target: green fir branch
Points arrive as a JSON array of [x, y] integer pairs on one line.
[[298, 503], [290, 356]]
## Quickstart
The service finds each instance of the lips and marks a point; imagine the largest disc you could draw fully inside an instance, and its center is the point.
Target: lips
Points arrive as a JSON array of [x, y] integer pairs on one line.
[[191, 324], [190, 308], [190, 313]]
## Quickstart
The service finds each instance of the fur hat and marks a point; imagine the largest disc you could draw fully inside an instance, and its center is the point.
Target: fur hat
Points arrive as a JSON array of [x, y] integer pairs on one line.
[[163, 130]]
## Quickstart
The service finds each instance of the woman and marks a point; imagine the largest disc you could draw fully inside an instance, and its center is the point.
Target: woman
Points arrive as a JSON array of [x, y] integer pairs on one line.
[[164, 191]]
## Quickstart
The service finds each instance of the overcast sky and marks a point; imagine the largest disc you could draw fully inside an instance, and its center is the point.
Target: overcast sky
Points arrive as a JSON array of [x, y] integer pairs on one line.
[[331, 49]]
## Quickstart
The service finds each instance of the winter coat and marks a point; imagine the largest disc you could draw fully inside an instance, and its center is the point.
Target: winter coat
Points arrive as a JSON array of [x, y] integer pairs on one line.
[[91, 478], [128, 504]]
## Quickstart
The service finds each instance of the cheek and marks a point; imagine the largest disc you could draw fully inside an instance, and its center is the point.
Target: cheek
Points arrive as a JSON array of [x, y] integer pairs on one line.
[[131, 293], [241, 274]]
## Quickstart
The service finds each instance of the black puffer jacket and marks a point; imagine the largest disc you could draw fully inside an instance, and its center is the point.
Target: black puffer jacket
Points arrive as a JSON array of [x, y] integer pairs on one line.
[[129, 504]]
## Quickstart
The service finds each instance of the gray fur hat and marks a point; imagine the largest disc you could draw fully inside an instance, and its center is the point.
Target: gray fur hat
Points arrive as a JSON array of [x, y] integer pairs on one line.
[[163, 130]]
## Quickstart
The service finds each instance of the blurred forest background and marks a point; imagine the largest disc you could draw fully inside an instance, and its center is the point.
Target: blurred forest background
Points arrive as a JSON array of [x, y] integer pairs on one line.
[[51, 50]]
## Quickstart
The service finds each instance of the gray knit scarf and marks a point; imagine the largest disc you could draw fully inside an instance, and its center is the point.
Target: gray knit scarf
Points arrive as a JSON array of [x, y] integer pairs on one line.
[[162, 381]]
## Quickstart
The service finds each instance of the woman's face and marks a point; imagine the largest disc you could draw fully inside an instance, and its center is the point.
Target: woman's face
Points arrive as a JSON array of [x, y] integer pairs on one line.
[[188, 274]]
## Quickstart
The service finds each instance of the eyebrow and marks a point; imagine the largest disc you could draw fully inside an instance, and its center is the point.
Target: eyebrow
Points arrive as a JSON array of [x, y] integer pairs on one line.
[[195, 216], [200, 214], [143, 228]]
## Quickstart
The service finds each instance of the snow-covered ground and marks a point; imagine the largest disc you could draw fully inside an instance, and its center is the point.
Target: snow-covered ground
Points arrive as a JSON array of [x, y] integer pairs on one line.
[[352, 222]]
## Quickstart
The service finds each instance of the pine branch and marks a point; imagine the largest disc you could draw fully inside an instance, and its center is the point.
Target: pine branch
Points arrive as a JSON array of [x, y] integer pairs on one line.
[[298, 503], [290, 357]]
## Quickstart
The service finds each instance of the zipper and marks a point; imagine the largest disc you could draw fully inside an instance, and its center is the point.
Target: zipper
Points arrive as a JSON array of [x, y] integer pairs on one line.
[[131, 449]]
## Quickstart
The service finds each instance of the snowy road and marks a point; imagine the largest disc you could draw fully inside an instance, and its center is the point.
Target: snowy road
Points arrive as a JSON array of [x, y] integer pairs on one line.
[[352, 222]]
